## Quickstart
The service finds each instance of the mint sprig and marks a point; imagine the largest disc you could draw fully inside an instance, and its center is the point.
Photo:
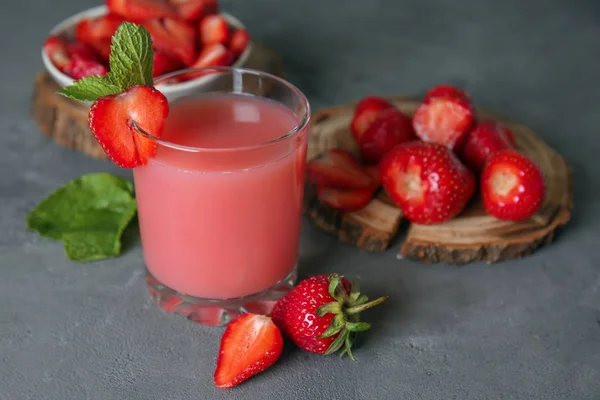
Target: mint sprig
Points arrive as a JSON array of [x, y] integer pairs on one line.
[[89, 215], [131, 63]]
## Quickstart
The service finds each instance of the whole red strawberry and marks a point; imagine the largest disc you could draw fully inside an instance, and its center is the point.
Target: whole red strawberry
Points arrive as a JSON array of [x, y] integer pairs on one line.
[[389, 129], [487, 138], [512, 186], [427, 181], [366, 112], [445, 116], [321, 314]]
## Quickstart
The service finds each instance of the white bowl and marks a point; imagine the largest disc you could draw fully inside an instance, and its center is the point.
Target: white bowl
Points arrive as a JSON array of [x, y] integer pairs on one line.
[[67, 28]]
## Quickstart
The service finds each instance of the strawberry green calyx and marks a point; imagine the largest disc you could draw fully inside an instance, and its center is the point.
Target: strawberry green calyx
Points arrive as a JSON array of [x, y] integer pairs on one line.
[[346, 308]]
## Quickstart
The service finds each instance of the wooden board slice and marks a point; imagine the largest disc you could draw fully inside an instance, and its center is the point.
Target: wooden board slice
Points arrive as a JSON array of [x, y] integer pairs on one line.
[[65, 120], [472, 236]]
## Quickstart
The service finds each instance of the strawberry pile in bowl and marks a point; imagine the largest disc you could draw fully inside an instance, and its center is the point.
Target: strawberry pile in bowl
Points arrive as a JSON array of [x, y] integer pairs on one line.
[[430, 163], [185, 34]]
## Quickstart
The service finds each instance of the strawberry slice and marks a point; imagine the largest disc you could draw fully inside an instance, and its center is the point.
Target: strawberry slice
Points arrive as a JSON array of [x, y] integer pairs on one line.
[[189, 10], [239, 41], [174, 37], [365, 113], [102, 48], [250, 344], [56, 48], [213, 29], [90, 30], [84, 51], [339, 169], [389, 129], [164, 63], [111, 121], [215, 55], [140, 10], [445, 117], [345, 199], [81, 67], [487, 138]]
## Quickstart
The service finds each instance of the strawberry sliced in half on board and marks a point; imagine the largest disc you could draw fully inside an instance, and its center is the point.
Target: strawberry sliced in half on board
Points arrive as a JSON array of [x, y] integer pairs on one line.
[[339, 169], [445, 117], [57, 50], [239, 41], [111, 121], [345, 199], [174, 37], [140, 10], [213, 29], [366, 112], [250, 344]]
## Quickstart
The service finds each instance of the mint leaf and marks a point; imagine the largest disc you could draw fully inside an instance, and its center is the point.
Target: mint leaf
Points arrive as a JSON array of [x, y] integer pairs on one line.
[[90, 89], [131, 56], [89, 214], [131, 63]]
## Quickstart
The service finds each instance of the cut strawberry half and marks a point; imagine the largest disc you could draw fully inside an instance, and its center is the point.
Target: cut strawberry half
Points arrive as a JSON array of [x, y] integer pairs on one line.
[[512, 186], [189, 10], [140, 10], [239, 41], [81, 67], [445, 116], [250, 344], [487, 138], [339, 169], [164, 63], [84, 51], [365, 113], [345, 199], [57, 50], [111, 121], [90, 30], [174, 37], [213, 29], [389, 129]]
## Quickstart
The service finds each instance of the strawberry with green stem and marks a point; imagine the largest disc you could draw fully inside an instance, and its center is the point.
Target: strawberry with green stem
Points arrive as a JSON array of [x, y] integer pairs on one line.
[[321, 314]]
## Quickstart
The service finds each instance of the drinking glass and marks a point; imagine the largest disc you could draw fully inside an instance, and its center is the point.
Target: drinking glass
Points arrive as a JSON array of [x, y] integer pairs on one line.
[[219, 205]]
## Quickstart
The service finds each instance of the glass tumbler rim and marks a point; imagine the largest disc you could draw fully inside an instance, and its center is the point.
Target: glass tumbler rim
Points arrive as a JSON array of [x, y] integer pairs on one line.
[[299, 127]]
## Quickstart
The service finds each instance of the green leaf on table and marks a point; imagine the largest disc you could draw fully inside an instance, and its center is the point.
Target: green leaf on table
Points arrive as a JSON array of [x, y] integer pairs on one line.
[[89, 214], [131, 64]]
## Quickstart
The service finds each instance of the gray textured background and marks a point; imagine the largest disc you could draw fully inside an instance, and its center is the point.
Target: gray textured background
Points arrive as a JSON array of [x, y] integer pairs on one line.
[[527, 329]]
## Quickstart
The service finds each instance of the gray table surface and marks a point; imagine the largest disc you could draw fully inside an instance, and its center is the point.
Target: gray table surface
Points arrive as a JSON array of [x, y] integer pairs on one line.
[[526, 329]]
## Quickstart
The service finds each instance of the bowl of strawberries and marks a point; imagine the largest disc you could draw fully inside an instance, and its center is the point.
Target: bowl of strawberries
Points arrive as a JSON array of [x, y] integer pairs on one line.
[[185, 34]]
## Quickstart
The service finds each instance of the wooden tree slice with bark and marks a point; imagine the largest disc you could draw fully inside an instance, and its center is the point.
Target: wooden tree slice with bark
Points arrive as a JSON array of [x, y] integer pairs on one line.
[[65, 120], [473, 235]]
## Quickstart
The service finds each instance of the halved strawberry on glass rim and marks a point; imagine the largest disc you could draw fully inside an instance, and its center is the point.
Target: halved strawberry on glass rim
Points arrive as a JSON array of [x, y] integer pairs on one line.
[[111, 120]]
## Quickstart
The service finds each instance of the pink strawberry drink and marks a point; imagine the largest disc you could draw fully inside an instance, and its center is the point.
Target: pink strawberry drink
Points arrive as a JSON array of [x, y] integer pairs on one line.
[[220, 203]]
